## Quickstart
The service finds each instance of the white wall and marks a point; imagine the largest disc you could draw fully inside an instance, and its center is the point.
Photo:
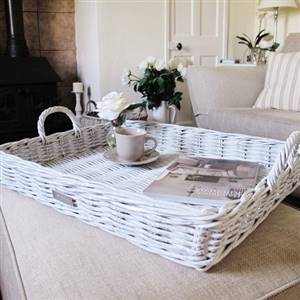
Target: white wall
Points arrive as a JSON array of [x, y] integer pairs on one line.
[[241, 20], [114, 35], [129, 31], [87, 36]]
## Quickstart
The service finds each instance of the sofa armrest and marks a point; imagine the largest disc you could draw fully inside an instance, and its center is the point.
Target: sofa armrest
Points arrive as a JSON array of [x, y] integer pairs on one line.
[[224, 86]]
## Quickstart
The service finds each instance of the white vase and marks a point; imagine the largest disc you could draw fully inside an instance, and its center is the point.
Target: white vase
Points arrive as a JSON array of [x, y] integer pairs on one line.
[[165, 113]]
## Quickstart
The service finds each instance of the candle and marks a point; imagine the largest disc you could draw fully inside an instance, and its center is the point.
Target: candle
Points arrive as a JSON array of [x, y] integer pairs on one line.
[[77, 87]]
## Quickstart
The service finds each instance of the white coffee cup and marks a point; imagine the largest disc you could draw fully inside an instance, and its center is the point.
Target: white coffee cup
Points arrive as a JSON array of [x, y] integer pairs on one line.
[[130, 143]]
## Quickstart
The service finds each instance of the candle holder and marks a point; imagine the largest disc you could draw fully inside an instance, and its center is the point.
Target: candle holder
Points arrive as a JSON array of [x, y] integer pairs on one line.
[[78, 108], [78, 90]]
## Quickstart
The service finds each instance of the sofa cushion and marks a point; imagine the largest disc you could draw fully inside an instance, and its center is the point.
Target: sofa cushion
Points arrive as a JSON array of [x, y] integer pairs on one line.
[[59, 257], [282, 84], [272, 123], [224, 86]]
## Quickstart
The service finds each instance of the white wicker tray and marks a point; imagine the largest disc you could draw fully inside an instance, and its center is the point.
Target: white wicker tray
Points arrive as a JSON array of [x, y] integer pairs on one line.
[[68, 172]]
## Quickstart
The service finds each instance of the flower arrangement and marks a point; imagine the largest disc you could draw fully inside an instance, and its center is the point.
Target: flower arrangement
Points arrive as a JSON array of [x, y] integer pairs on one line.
[[114, 107], [158, 81]]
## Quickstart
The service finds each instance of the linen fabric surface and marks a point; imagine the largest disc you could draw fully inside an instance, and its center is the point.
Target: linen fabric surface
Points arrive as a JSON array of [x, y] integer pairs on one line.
[[282, 83], [270, 123], [59, 257]]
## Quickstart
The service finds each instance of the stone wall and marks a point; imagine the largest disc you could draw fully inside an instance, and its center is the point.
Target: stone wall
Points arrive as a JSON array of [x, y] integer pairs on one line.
[[50, 32]]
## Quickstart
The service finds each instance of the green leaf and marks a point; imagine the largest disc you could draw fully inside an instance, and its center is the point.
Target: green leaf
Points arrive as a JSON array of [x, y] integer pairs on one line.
[[258, 39], [274, 47], [259, 34], [175, 100], [161, 85], [243, 39], [243, 43], [135, 106], [153, 104], [121, 119], [247, 36]]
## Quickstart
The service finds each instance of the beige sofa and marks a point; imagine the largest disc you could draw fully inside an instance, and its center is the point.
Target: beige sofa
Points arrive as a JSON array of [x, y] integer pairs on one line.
[[47, 255], [223, 96]]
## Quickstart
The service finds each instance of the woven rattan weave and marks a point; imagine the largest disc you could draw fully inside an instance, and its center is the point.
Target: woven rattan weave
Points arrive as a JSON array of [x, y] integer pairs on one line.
[[67, 171]]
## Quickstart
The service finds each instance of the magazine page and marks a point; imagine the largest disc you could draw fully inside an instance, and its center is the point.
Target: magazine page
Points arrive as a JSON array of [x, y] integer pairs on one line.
[[198, 180]]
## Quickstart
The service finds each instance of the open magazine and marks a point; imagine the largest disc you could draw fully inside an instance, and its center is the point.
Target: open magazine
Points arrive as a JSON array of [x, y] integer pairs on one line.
[[204, 181]]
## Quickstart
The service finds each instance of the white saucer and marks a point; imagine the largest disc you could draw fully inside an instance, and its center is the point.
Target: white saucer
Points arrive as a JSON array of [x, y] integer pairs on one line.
[[146, 159]]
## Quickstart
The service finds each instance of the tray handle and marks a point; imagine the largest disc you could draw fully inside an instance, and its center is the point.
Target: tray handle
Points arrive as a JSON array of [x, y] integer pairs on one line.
[[52, 110], [88, 107], [286, 157]]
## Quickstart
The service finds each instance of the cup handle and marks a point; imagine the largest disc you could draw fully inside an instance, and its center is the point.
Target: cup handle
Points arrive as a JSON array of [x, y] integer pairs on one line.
[[172, 112], [150, 138]]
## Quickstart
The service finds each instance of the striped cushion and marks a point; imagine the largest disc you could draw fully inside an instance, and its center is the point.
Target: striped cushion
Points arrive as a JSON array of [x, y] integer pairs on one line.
[[282, 84]]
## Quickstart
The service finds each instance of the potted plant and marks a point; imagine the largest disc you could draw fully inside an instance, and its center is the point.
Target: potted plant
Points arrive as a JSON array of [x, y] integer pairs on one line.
[[157, 85], [257, 48]]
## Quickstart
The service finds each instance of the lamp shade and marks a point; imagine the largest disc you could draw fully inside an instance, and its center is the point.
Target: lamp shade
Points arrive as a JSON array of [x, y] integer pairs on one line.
[[270, 4]]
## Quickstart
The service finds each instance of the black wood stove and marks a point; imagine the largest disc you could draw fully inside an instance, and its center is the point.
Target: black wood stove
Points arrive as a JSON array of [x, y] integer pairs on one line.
[[28, 85]]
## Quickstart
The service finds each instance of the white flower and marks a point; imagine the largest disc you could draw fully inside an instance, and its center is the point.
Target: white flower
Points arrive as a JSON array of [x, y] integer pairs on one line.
[[159, 65], [265, 44], [269, 37], [182, 70], [189, 61], [143, 65], [112, 105], [173, 62], [151, 60], [125, 77], [180, 67]]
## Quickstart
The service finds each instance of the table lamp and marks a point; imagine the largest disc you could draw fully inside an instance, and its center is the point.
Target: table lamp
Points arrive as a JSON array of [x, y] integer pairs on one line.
[[275, 5]]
